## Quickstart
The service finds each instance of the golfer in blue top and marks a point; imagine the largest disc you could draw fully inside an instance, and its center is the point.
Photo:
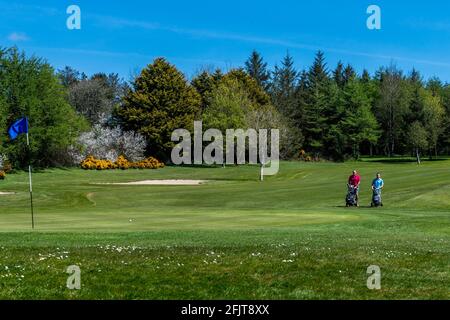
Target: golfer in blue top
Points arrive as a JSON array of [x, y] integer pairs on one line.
[[377, 183]]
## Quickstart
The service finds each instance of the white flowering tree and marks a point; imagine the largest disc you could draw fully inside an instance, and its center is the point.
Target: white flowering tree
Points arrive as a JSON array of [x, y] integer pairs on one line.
[[109, 143]]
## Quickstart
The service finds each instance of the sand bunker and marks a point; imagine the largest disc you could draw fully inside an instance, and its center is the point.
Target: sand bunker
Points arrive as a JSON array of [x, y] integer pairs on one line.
[[6, 193], [160, 183]]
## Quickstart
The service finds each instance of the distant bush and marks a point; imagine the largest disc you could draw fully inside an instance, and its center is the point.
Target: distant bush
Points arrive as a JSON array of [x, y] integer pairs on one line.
[[91, 163], [5, 165], [304, 156], [2, 175]]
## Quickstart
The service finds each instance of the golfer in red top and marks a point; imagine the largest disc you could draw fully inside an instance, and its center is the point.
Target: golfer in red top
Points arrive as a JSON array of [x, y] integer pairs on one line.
[[353, 181]]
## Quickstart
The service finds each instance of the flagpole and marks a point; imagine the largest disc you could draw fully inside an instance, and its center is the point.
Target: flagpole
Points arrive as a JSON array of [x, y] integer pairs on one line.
[[31, 185]]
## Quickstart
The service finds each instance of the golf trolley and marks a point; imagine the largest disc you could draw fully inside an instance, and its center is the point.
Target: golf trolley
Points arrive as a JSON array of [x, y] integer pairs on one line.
[[376, 198], [351, 198]]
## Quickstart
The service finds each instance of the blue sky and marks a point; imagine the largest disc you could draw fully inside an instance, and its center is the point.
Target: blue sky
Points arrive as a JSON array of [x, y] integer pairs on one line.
[[122, 37]]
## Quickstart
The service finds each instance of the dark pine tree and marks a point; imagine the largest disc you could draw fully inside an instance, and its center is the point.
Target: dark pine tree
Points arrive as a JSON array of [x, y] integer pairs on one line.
[[257, 69], [349, 73], [338, 74], [301, 96], [365, 77], [416, 101], [317, 104], [283, 86]]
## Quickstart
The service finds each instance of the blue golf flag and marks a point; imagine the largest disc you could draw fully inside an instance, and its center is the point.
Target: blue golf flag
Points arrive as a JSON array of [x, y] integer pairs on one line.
[[18, 127]]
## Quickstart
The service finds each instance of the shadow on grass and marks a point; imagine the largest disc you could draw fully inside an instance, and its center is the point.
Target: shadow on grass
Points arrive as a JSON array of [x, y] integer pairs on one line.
[[402, 160], [211, 166], [42, 169], [355, 208]]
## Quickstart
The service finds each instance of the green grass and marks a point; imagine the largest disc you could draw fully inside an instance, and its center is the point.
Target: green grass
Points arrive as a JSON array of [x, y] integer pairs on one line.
[[289, 237]]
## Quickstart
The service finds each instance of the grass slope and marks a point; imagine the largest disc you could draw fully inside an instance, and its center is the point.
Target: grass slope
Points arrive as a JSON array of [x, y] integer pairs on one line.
[[235, 238]]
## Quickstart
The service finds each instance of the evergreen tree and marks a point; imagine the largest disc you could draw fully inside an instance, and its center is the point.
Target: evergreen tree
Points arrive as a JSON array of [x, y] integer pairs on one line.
[[338, 75], [283, 86], [358, 124], [160, 102], [416, 77], [217, 75], [301, 96], [334, 139], [435, 86], [365, 77], [204, 83], [349, 73], [415, 110], [317, 104], [257, 69], [319, 72]]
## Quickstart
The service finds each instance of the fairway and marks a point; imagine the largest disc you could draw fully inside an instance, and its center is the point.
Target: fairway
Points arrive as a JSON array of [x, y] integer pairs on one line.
[[232, 237]]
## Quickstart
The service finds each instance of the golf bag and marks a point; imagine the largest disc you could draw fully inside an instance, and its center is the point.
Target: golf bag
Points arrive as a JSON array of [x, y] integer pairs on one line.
[[376, 198], [350, 199]]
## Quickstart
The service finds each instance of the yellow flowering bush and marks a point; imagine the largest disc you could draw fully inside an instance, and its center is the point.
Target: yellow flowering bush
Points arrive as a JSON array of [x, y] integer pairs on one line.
[[149, 163], [122, 163], [2, 175], [91, 163]]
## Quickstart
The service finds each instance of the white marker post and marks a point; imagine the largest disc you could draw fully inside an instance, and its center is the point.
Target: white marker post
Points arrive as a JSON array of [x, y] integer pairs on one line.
[[262, 171], [31, 184]]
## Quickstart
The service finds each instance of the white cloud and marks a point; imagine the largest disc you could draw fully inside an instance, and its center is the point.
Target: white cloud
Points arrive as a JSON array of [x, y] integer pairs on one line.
[[18, 36]]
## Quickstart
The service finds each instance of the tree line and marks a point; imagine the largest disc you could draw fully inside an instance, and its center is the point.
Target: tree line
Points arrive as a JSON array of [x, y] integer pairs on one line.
[[323, 112], [342, 114], [327, 113]]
